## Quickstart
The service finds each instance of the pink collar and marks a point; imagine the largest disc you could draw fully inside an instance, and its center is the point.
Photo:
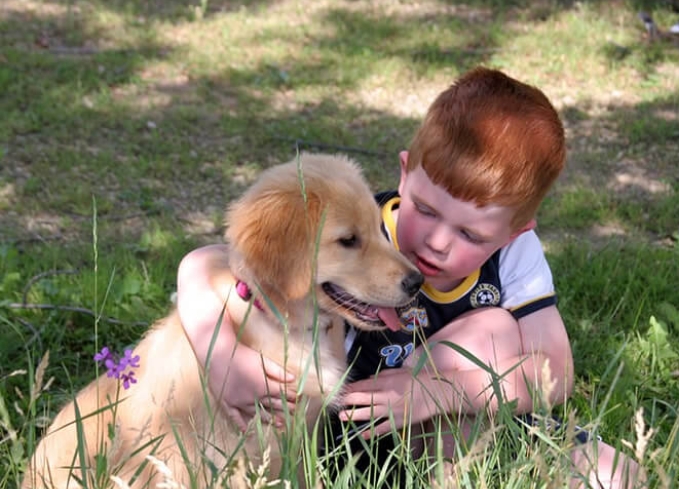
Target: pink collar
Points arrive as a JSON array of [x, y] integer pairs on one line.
[[245, 293]]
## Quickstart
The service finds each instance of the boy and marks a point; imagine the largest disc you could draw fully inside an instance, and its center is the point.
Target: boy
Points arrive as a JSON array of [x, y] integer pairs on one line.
[[486, 154]]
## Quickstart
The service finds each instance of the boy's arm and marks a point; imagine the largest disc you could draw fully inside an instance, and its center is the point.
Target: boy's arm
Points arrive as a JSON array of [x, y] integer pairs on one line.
[[544, 336], [452, 383], [238, 376]]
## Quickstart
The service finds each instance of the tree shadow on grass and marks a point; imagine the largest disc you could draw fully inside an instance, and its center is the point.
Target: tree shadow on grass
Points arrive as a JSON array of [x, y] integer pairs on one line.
[[620, 172], [178, 10], [180, 144], [177, 142]]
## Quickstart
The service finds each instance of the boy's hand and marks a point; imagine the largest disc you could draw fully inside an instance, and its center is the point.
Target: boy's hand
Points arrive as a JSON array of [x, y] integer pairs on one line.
[[250, 384], [242, 381], [392, 394]]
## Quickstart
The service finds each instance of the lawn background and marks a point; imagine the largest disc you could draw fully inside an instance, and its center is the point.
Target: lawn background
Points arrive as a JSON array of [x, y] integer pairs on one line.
[[127, 126]]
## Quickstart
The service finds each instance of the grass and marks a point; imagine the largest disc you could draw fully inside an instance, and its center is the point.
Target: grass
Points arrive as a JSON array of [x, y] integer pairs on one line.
[[158, 113]]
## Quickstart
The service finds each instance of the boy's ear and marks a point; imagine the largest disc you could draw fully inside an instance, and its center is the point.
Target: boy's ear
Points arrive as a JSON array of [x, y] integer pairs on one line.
[[527, 227], [403, 157]]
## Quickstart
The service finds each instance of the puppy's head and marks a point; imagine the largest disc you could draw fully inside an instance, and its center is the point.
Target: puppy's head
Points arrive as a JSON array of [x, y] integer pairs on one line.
[[312, 225]]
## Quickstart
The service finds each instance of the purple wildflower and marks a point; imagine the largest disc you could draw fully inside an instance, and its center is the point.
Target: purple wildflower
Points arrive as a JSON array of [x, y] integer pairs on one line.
[[128, 360], [128, 378], [118, 367], [113, 369], [103, 355]]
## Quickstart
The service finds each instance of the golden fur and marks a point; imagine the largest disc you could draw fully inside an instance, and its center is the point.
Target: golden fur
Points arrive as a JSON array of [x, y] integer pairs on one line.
[[314, 256]]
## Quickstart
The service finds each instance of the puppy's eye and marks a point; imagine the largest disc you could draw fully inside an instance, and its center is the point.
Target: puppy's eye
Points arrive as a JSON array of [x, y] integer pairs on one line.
[[350, 241]]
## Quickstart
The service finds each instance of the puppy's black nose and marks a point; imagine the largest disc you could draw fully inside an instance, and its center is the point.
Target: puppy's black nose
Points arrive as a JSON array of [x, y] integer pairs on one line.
[[412, 283]]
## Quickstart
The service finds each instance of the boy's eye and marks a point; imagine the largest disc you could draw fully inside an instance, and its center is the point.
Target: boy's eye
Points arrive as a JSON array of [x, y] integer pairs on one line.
[[470, 237], [424, 210]]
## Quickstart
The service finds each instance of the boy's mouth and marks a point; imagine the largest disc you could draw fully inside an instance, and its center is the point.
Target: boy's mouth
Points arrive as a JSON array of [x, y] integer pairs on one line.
[[427, 268]]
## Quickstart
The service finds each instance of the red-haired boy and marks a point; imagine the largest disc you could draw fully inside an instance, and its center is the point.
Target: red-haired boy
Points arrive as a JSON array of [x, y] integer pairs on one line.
[[486, 154]]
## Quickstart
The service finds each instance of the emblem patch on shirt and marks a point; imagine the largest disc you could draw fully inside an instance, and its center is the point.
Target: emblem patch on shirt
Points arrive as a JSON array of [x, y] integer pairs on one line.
[[485, 295], [412, 316]]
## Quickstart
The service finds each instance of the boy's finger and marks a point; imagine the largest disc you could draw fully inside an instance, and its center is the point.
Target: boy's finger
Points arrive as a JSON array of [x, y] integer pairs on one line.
[[280, 391], [237, 417], [362, 398], [278, 405], [358, 414], [276, 372]]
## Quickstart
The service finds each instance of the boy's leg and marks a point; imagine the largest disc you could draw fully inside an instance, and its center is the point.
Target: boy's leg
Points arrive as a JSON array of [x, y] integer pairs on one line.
[[601, 465], [596, 465], [490, 335], [478, 332]]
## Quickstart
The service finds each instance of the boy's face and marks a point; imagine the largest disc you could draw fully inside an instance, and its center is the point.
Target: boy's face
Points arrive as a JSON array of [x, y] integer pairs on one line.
[[446, 238]]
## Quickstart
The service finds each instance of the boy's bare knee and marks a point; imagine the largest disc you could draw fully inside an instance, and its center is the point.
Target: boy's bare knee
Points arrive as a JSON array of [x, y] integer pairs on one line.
[[601, 465], [489, 334]]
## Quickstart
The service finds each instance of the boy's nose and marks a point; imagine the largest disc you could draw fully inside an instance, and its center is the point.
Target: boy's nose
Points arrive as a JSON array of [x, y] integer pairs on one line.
[[412, 283], [439, 240]]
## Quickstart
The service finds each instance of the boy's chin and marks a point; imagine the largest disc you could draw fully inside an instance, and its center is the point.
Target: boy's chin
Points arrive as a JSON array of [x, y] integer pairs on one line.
[[441, 283]]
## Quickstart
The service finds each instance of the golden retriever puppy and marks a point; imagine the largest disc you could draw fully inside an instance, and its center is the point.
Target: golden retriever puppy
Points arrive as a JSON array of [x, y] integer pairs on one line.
[[305, 254]]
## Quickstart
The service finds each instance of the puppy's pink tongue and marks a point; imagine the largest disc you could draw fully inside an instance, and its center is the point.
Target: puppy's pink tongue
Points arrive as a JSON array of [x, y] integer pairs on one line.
[[389, 317]]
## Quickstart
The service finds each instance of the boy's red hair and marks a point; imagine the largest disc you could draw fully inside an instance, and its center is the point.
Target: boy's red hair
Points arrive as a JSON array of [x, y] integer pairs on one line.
[[490, 139]]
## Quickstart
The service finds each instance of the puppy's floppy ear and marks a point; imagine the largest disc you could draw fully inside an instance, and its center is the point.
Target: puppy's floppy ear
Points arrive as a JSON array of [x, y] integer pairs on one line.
[[273, 231]]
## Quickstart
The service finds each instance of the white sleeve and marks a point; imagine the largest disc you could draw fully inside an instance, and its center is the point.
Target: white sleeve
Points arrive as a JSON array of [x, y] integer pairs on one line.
[[525, 276]]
